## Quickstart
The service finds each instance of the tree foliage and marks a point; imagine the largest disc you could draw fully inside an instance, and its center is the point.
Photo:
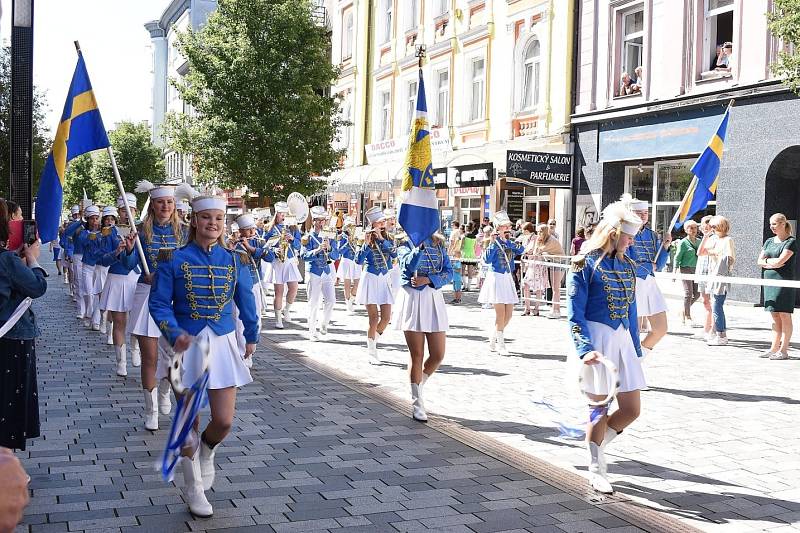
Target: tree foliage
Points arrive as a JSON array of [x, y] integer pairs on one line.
[[784, 23], [258, 74], [41, 141], [137, 158]]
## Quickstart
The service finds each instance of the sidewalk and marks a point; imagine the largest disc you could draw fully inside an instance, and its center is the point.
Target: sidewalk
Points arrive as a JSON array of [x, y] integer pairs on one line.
[[716, 446], [307, 453]]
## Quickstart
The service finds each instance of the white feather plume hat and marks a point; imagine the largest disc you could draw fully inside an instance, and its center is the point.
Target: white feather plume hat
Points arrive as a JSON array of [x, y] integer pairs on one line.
[[619, 216], [199, 202], [155, 191]]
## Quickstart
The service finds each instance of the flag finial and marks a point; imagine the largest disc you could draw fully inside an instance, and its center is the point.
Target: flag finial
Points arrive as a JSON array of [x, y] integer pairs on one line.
[[420, 53]]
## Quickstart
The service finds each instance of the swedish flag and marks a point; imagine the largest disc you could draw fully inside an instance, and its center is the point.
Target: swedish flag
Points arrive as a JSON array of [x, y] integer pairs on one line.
[[703, 188], [80, 130], [419, 210]]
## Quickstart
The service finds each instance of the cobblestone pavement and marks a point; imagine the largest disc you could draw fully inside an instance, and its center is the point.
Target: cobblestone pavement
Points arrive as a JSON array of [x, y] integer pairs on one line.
[[716, 445], [307, 453]]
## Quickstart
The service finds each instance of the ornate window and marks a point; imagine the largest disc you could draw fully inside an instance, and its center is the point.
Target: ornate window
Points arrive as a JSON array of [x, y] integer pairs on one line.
[[531, 63]]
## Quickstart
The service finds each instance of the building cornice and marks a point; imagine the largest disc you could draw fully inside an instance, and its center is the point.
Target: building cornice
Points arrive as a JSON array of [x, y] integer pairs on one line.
[[156, 31]]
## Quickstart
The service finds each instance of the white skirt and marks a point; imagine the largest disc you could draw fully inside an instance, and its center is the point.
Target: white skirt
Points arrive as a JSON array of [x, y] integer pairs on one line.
[[226, 366], [617, 346], [649, 300], [498, 289], [348, 269], [118, 293], [395, 279], [86, 287], [286, 272], [140, 322], [374, 289], [420, 310], [266, 274], [100, 277]]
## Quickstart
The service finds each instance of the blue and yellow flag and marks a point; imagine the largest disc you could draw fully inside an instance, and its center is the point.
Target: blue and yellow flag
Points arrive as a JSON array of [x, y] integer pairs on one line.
[[703, 188], [80, 130], [419, 210]]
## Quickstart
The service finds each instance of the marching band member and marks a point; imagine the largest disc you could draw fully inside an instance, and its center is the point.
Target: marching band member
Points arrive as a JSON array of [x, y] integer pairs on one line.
[[285, 273], [182, 207], [319, 252], [392, 229], [498, 288], [68, 247], [108, 221], [266, 265], [194, 292], [349, 272], [643, 250], [89, 243], [255, 252], [160, 230], [421, 312], [601, 309], [119, 289], [76, 262], [375, 290]]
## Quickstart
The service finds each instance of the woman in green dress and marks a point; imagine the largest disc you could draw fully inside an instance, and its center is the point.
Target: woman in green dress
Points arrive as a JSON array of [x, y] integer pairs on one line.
[[777, 261]]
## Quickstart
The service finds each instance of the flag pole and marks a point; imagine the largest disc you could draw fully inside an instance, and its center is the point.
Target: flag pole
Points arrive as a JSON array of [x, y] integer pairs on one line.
[[692, 186], [121, 188]]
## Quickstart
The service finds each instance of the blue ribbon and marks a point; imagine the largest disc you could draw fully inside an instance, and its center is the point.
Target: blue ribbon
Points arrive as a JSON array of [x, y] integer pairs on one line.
[[570, 431], [179, 431]]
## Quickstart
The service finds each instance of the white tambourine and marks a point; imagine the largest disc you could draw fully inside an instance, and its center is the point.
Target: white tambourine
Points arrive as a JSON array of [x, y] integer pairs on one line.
[[176, 362], [611, 374]]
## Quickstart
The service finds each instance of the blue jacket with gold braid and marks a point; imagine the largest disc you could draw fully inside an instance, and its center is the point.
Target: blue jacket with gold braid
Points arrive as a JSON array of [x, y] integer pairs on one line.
[[163, 239], [377, 256], [429, 260], [643, 250], [294, 247], [499, 255], [253, 261], [195, 288], [604, 291], [317, 261]]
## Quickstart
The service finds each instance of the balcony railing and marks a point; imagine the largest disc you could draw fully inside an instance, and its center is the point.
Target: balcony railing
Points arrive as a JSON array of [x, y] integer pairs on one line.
[[320, 14]]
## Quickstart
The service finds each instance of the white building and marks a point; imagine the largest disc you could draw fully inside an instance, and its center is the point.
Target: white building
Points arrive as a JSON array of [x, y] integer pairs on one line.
[[169, 64]]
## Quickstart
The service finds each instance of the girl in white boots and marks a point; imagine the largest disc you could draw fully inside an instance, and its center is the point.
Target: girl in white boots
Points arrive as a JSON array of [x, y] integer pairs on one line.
[[421, 312], [601, 309], [349, 272]]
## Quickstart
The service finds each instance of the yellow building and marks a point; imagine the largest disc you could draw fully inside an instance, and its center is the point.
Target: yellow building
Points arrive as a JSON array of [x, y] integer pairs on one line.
[[498, 77]]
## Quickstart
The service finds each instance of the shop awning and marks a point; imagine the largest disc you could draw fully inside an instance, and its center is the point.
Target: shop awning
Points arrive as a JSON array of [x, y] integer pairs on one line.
[[366, 178]]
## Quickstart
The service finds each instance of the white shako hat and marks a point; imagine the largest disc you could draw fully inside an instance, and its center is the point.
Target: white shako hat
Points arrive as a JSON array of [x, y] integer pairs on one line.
[[199, 202], [110, 211], [245, 221], [131, 201], [500, 218], [389, 212], [318, 212], [619, 216], [182, 205], [349, 221], [155, 191], [374, 214], [74, 210], [281, 207], [92, 210]]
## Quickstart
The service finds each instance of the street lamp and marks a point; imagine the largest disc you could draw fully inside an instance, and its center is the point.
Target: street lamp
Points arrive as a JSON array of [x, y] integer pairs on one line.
[[22, 104]]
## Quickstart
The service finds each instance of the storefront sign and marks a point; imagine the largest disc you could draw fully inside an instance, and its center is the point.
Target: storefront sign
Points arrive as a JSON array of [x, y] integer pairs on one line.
[[393, 150], [514, 204], [467, 191], [539, 169], [478, 175], [658, 136]]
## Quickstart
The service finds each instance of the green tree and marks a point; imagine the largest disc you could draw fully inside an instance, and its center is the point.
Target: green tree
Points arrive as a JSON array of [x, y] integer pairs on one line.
[[41, 140], [784, 23], [82, 174], [137, 157], [258, 76]]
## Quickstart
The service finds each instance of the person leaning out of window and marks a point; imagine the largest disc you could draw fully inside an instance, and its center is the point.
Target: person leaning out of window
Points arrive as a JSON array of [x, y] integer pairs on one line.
[[724, 57], [20, 277], [777, 260], [685, 262], [721, 260]]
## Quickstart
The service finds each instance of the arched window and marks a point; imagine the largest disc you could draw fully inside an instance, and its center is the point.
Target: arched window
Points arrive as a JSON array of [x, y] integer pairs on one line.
[[530, 75], [347, 38]]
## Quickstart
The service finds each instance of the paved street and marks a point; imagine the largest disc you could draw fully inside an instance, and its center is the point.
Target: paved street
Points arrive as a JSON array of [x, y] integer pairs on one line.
[[307, 453], [716, 446]]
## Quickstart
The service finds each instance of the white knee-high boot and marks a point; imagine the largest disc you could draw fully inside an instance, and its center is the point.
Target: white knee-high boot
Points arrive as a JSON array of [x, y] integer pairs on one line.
[[193, 488], [136, 354], [417, 405], [164, 403], [597, 474], [122, 360], [151, 409]]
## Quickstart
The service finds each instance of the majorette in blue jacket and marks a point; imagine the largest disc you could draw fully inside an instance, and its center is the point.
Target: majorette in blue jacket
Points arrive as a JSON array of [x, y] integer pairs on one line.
[[377, 256], [429, 259], [163, 239], [500, 253], [643, 250], [314, 257]]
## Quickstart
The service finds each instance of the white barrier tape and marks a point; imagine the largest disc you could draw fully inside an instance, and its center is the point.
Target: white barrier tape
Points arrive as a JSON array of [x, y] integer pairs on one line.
[[759, 282]]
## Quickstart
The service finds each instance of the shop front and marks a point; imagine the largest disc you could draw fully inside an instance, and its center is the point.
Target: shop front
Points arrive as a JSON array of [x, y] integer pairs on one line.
[[464, 192]]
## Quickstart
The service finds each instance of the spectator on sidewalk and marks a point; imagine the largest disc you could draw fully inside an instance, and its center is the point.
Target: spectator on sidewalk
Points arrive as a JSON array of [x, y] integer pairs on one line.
[[577, 242], [14, 496], [685, 262], [21, 277], [469, 252], [527, 240], [721, 260], [777, 260], [454, 251], [702, 270]]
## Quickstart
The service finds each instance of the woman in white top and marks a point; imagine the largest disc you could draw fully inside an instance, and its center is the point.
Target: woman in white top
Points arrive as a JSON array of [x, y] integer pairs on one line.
[[721, 259]]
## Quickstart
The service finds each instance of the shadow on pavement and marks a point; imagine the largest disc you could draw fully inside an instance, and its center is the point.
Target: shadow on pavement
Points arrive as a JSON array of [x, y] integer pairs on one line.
[[730, 396], [548, 434]]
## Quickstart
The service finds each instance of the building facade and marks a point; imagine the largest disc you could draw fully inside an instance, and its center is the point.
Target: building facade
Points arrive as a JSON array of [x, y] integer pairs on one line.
[[497, 76], [169, 64], [689, 59]]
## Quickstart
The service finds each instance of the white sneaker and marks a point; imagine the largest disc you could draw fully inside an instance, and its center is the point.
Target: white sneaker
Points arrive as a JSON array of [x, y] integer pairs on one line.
[[718, 341], [554, 314], [779, 356], [767, 354]]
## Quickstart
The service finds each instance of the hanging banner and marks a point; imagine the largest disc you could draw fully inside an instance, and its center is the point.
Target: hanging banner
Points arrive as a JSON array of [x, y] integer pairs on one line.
[[540, 169], [393, 150]]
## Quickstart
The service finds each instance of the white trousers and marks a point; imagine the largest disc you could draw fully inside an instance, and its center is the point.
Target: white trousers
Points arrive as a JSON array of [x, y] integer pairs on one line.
[[320, 288]]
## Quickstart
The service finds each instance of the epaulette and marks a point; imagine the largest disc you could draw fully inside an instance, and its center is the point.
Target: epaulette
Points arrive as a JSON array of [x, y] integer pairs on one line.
[[165, 254], [578, 263]]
